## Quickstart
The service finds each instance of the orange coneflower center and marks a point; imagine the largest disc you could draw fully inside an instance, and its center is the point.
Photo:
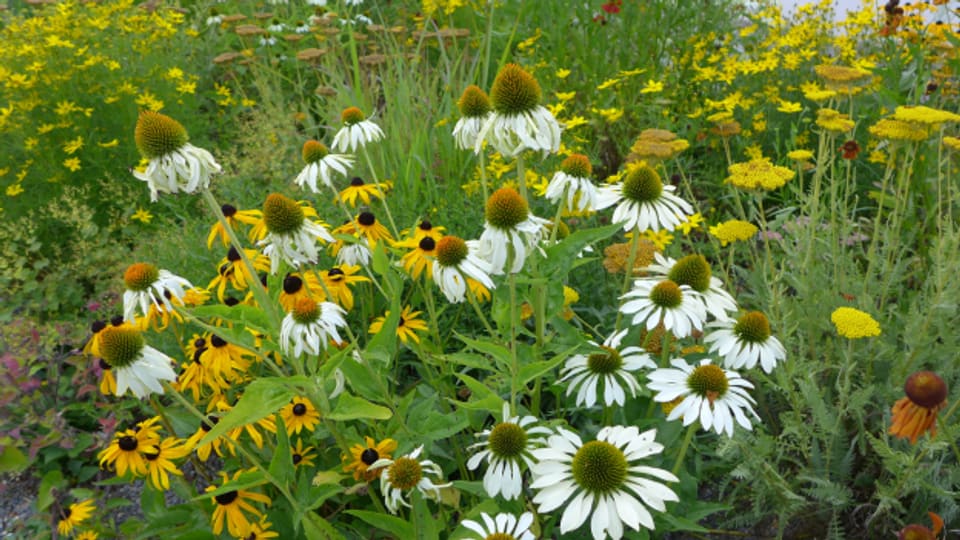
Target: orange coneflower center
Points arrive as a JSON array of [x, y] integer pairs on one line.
[[753, 327], [140, 276], [157, 134], [306, 311], [506, 208], [451, 250], [577, 165], [314, 151], [474, 102], [642, 184], [708, 381], [282, 215], [120, 346], [514, 91], [692, 270], [352, 115], [405, 473]]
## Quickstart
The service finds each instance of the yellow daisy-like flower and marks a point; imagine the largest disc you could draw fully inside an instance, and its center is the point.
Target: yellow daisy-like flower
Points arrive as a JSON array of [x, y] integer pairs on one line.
[[86, 535], [367, 225], [691, 224], [733, 230], [660, 239], [338, 282], [260, 531], [231, 270], [300, 414], [203, 452], [302, 457], [126, 451], [854, 324], [232, 507], [800, 155], [142, 215], [362, 191], [407, 327], [300, 285], [74, 515], [420, 257], [363, 455], [758, 174], [160, 463], [833, 120], [235, 218]]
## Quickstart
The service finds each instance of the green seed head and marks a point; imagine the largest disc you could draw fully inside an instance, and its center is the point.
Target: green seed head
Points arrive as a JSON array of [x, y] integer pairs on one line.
[[606, 362], [642, 184], [158, 135], [599, 467], [139, 276], [709, 381], [474, 102], [506, 208], [282, 214], [451, 250], [666, 294], [514, 91], [752, 327], [693, 271], [577, 165], [314, 151], [507, 440], [405, 473], [120, 346]]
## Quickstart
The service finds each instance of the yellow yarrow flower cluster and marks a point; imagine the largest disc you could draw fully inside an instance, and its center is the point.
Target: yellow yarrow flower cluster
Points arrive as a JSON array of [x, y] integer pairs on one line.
[[657, 144], [854, 324], [734, 230], [758, 174], [833, 120], [898, 130]]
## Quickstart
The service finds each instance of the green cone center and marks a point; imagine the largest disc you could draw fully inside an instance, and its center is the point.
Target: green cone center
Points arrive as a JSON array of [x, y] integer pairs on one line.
[[514, 91], [708, 380], [282, 215], [474, 102], [314, 151], [666, 294], [752, 327], [642, 184], [599, 467], [507, 440], [157, 134], [606, 362], [120, 346], [693, 271], [405, 473]]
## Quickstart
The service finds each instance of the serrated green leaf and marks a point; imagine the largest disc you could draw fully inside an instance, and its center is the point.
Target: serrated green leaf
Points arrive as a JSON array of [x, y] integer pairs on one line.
[[261, 398], [281, 465], [12, 460], [499, 353], [485, 398], [561, 256], [533, 370], [391, 524], [317, 528], [350, 407], [51, 481]]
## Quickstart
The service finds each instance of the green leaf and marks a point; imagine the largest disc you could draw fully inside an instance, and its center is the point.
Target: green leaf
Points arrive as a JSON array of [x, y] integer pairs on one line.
[[242, 316], [46, 493], [317, 528], [434, 425], [281, 465], [379, 262], [678, 523], [562, 255], [485, 398], [533, 370], [392, 524], [261, 398], [424, 524], [383, 346], [350, 407], [12, 460], [499, 353]]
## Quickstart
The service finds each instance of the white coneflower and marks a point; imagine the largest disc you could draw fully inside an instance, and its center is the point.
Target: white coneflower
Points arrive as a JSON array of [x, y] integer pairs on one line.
[[746, 342], [474, 107], [135, 365], [611, 370], [503, 526], [518, 121], [506, 447], [694, 270], [654, 302], [713, 395], [320, 165], [510, 229], [604, 478], [175, 165], [291, 237], [147, 285], [573, 185], [405, 473], [457, 261], [310, 325], [356, 132], [643, 202]]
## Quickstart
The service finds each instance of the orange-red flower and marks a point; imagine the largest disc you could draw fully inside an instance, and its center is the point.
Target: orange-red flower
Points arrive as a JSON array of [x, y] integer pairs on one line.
[[919, 532], [917, 413], [850, 149]]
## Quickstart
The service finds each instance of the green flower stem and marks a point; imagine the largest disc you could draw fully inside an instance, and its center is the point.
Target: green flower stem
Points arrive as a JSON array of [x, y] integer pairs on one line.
[[282, 488], [683, 448], [515, 361], [259, 291], [380, 193], [483, 178], [628, 271], [472, 298], [521, 177], [558, 216]]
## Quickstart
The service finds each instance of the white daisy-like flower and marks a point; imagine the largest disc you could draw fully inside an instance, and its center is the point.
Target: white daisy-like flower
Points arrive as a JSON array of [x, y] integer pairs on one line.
[[505, 447], [518, 121], [643, 202], [321, 165], [694, 270], [276, 26], [746, 342], [605, 479], [214, 20], [356, 132], [713, 395], [510, 230], [354, 254], [455, 262], [404, 474], [310, 325], [174, 164], [573, 185], [302, 28], [147, 285], [291, 237], [136, 366], [474, 107], [502, 527], [611, 369], [678, 307]]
